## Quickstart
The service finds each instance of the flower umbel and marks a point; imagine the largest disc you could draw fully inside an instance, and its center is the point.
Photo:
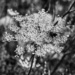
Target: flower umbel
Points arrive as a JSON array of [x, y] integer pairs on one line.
[[35, 28]]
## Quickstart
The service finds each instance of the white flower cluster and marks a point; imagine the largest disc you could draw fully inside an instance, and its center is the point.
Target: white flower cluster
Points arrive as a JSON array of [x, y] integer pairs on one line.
[[7, 37], [35, 27], [25, 63], [19, 50]]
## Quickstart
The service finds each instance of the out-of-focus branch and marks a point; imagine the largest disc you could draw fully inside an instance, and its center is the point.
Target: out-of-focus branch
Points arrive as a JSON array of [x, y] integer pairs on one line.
[[67, 12], [49, 5], [62, 59], [58, 64], [70, 7], [31, 63]]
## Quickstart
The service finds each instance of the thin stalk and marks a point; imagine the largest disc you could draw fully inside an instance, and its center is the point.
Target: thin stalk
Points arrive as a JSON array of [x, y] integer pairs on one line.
[[67, 12], [49, 1], [70, 7], [58, 64], [31, 64]]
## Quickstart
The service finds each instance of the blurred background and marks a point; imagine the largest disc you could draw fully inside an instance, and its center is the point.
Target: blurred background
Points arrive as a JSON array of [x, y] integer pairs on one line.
[[30, 6], [8, 64]]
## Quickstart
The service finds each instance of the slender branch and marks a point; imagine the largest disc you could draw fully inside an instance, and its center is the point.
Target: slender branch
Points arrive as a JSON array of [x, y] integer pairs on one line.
[[62, 59], [31, 64], [58, 64], [55, 23], [49, 6], [70, 7], [32, 57], [67, 12]]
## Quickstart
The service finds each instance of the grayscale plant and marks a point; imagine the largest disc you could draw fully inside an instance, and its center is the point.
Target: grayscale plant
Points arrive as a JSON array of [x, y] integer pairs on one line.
[[38, 35]]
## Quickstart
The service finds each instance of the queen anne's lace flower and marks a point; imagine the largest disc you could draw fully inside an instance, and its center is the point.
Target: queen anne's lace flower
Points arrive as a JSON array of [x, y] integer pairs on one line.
[[36, 28]]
